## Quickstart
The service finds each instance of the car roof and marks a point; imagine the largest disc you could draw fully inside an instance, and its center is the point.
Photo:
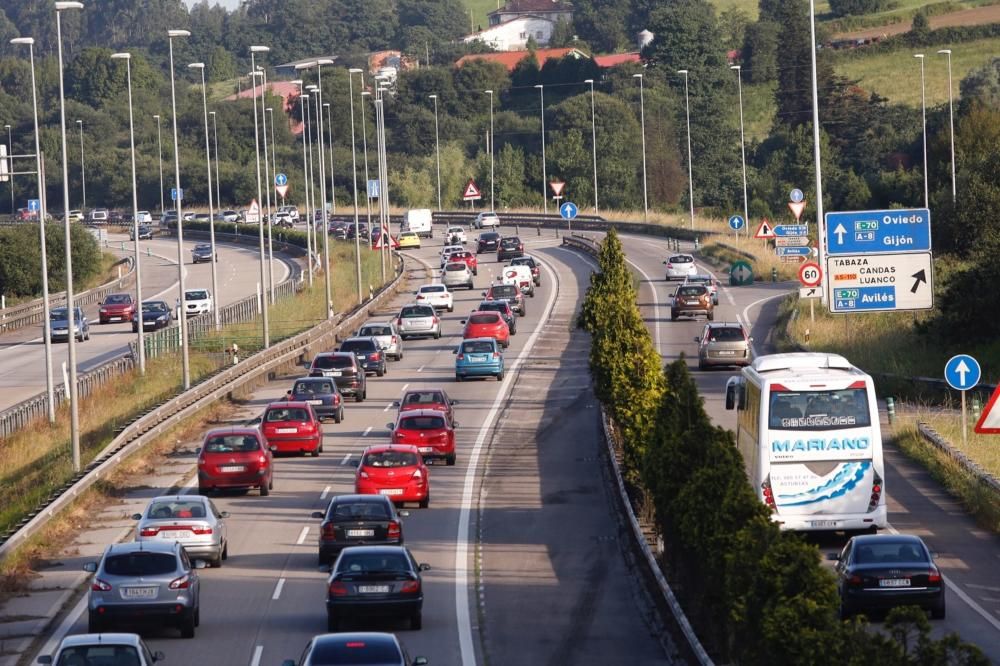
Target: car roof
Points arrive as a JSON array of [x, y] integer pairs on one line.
[[125, 547], [724, 324], [332, 354], [373, 550], [484, 312], [483, 339], [867, 539], [373, 499], [313, 380], [77, 640], [232, 430], [382, 448], [365, 338], [421, 412], [185, 498], [283, 404]]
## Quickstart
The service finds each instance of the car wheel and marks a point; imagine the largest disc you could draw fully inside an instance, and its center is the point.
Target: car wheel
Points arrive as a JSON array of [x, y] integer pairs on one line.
[[458, 378], [426, 501], [265, 488], [315, 453], [451, 308], [938, 610], [332, 622], [673, 316], [450, 460], [379, 372], [360, 397], [399, 356], [701, 365], [416, 621], [202, 490], [339, 416], [225, 551], [531, 293], [475, 272], [437, 335], [711, 316], [500, 376], [187, 626], [846, 611], [216, 562]]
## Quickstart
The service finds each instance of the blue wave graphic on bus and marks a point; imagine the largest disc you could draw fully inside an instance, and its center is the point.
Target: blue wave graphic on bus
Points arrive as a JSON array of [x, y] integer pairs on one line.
[[843, 482]]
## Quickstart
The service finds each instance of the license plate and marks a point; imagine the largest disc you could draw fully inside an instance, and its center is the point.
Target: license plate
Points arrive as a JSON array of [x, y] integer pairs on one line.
[[426, 449], [823, 523], [333, 373], [139, 592], [286, 431], [894, 582], [314, 402], [373, 589], [391, 491], [478, 358], [360, 533], [232, 468], [726, 353], [174, 535]]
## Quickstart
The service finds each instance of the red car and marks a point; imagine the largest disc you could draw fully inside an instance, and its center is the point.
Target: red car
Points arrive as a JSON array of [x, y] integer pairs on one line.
[[292, 427], [396, 471], [117, 307], [235, 458], [468, 257], [487, 324], [430, 430], [428, 398]]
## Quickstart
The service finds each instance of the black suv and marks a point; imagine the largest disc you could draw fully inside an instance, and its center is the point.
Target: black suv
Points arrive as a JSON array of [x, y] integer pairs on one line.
[[369, 353], [488, 241], [509, 293], [346, 371], [509, 248], [503, 307], [358, 520]]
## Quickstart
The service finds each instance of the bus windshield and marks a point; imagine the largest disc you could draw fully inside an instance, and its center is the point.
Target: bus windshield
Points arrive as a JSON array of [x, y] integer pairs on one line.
[[819, 410]]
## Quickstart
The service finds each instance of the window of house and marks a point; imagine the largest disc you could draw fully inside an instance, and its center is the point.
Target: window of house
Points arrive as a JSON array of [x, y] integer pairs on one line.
[[524, 35], [539, 34]]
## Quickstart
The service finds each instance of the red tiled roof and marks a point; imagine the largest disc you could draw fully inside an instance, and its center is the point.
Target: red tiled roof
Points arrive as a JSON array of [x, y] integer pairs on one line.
[[509, 59], [615, 59]]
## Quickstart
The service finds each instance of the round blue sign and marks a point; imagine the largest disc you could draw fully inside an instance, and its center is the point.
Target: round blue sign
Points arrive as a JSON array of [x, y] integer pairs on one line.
[[962, 372], [568, 210], [736, 222], [280, 179], [796, 196]]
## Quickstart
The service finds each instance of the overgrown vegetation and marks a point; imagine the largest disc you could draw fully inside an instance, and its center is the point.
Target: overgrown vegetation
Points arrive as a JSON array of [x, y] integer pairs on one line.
[[755, 594], [21, 259]]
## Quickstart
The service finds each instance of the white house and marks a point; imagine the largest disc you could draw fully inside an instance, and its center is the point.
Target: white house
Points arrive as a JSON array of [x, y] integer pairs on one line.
[[513, 35]]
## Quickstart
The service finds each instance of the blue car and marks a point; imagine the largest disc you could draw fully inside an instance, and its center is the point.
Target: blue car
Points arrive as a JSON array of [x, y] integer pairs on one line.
[[59, 324], [478, 357]]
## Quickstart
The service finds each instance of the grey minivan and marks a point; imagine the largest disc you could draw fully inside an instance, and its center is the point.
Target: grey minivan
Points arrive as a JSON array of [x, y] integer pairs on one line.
[[724, 343]]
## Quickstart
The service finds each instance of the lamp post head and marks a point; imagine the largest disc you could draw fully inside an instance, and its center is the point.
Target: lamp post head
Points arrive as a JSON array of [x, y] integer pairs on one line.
[[255, 74], [326, 105], [637, 76], [324, 61], [736, 67], [121, 56], [297, 82], [354, 70], [590, 81], [156, 116], [488, 92], [197, 65], [945, 51], [79, 122], [539, 86], [178, 33], [918, 55], [211, 113], [68, 5], [682, 71], [23, 40], [259, 49], [365, 93], [304, 96], [432, 97]]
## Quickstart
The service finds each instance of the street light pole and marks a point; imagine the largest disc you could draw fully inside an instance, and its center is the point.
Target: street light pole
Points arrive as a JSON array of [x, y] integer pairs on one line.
[[492, 172], [274, 160], [354, 161], [268, 184], [923, 123], [687, 113], [333, 183], [260, 197], [140, 341], [437, 147], [200, 66], [159, 152], [820, 229], [951, 122], [593, 137], [74, 419], [545, 178], [215, 131], [743, 150], [83, 170], [364, 151], [10, 150], [642, 119], [307, 209], [318, 64], [185, 360], [40, 174]]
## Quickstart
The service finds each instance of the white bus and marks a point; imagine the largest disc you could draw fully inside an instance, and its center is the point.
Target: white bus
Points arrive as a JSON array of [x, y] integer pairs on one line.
[[808, 431]]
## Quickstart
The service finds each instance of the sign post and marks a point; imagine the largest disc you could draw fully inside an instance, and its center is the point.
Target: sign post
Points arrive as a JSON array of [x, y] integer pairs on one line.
[[568, 211], [736, 223], [962, 372]]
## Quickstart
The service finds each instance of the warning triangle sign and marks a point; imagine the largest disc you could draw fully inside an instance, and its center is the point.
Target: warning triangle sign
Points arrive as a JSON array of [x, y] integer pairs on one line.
[[797, 207], [381, 243], [253, 214], [989, 421], [764, 230], [471, 191]]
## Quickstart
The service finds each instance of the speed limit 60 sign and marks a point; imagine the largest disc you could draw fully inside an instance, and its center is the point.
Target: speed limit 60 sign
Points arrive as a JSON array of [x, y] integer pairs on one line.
[[810, 274]]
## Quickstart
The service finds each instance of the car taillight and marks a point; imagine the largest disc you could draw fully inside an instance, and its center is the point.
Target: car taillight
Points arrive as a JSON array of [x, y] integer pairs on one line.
[[393, 531], [149, 531], [329, 530], [768, 494], [461, 357], [201, 529], [670, 265], [411, 587], [934, 576], [855, 580], [876, 493], [394, 339], [496, 356], [417, 475], [181, 583], [434, 320], [100, 586], [262, 460], [338, 589], [375, 356], [363, 474], [336, 399], [399, 322], [420, 297]]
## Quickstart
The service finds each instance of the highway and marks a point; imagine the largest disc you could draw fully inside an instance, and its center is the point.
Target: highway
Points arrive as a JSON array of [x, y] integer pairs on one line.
[[529, 558], [22, 352]]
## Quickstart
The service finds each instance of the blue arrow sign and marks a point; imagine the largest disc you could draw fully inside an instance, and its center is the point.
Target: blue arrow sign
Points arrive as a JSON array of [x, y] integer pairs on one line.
[[878, 231], [280, 179], [176, 194], [791, 230], [793, 251], [796, 196], [373, 189], [34, 205], [962, 372], [736, 222], [568, 210]]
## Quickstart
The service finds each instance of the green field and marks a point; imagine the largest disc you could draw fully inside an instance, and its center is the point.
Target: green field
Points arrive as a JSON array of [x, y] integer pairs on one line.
[[478, 10], [897, 75]]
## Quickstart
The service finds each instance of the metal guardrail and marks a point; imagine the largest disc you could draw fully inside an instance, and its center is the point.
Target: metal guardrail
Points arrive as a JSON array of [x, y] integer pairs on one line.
[[236, 378], [970, 466]]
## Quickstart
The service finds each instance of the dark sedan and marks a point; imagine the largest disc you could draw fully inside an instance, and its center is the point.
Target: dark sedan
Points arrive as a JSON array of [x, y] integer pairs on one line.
[[881, 571], [322, 394], [369, 353], [370, 648], [202, 252], [155, 314], [358, 520], [488, 241], [375, 581], [145, 232]]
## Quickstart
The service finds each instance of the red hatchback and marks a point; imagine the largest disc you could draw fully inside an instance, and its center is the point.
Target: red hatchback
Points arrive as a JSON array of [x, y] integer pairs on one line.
[[487, 324], [430, 430], [468, 257], [292, 427], [117, 307], [235, 458], [426, 398], [396, 471]]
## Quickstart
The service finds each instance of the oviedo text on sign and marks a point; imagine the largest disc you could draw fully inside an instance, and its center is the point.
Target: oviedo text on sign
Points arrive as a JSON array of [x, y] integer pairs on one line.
[[872, 283]]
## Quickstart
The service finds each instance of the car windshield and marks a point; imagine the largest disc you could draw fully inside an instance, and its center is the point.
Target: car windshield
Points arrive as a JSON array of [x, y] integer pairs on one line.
[[375, 330], [332, 362], [889, 552], [286, 414], [492, 236], [728, 334], [357, 652], [456, 267], [490, 318], [203, 246], [158, 306], [461, 255], [312, 388], [504, 291], [523, 261], [819, 410], [424, 398], [693, 290], [681, 259], [477, 347], [357, 345], [60, 314], [196, 295], [510, 242], [390, 458], [140, 563], [118, 299], [231, 444], [416, 311], [99, 655], [360, 511], [421, 423], [176, 509], [372, 563], [433, 289], [494, 307]]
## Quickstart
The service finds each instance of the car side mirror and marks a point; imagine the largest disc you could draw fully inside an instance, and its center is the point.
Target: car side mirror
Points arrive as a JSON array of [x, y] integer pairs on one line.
[[288, 392], [319, 515], [420, 661], [197, 449], [835, 557], [453, 402], [462, 322], [455, 424], [136, 516], [90, 567], [273, 449], [395, 403], [454, 351], [390, 426], [664, 263], [750, 339], [697, 339], [159, 656], [336, 349], [45, 659], [199, 564], [424, 567], [223, 514], [484, 293]]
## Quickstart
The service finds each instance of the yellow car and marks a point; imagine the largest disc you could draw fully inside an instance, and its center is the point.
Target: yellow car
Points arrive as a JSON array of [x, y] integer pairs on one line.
[[409, 239]]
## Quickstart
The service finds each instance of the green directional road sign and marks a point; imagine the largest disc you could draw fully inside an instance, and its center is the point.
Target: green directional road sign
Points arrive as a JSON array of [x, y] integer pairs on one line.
[[740, 273]]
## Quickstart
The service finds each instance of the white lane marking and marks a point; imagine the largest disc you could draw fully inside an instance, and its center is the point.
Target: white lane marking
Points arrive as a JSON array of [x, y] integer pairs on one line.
[[960, 593], [420, 369], [64, 627], [387, 407], [302, 536], [746, 314], [365, 433], [326, 491], [277, 589], [257, 652], [467, 650], [405, 386]]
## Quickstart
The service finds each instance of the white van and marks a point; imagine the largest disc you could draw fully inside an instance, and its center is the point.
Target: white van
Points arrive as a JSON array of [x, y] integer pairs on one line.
[[519, 276], [420, 221]]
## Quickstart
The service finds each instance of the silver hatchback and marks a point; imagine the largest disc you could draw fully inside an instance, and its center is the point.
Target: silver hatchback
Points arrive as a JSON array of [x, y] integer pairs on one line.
[[387, 336], [191, 520], [457, 274], [724, 343], [153, 581], [418, 320]]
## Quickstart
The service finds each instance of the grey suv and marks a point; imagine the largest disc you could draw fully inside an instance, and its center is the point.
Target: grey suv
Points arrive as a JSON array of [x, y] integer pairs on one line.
[[147, 580], [369, 352], [724, 343]]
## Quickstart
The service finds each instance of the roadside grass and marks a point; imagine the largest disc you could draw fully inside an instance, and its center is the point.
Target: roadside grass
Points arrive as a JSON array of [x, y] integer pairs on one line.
[[896, 75]]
